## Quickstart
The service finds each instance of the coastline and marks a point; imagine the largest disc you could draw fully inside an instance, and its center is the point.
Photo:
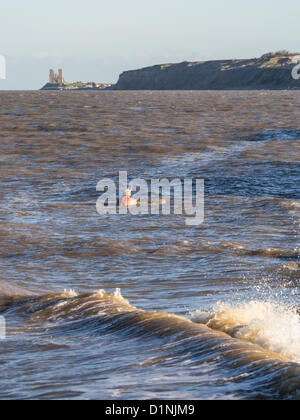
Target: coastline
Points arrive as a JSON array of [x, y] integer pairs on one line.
[[71, 87], [272, 71]]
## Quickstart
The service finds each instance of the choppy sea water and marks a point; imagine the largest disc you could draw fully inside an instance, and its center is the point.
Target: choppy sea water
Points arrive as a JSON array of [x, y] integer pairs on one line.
[[142, 307]]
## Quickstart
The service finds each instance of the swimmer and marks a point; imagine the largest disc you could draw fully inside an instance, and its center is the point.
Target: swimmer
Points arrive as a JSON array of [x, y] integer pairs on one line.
[[127, 200]]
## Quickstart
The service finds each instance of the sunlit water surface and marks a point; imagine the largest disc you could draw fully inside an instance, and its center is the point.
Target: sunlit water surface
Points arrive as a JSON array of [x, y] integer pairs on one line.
[[204, 312]]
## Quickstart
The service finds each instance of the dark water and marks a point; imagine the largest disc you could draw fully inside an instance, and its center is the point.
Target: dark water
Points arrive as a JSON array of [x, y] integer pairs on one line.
[[209, 311]]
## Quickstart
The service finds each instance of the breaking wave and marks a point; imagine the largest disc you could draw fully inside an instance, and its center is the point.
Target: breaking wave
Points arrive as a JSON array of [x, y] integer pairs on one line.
[[257, 338], [269, 325]]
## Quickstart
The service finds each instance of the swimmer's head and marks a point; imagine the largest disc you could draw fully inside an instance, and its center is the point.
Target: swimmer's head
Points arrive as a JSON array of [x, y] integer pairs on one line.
[[128, 192]]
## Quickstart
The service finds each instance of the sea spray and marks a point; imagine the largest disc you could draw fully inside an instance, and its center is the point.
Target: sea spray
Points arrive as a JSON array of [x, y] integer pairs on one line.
[[270, 325]]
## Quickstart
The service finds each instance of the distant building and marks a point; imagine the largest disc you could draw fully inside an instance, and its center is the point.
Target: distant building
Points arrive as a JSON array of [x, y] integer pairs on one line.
[[51, 76], [61, 79], [56, 78], [57, 82]]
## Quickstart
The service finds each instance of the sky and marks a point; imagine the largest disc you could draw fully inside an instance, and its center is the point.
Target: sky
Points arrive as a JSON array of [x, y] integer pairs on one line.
[[96, 40]]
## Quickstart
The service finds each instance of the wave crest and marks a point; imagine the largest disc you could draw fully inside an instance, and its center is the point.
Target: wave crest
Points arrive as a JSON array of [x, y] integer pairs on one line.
[[269, 325]]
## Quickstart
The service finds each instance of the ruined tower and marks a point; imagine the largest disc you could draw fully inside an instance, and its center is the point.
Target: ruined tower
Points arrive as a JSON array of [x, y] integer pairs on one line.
[[51, 76], [56, 78], [61, 79]]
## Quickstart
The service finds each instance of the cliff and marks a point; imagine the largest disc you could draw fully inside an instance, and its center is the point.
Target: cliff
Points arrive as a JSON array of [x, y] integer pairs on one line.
[[271, 71]]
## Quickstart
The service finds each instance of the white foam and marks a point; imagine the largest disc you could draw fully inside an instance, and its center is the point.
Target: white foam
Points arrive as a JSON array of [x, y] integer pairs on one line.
[[101, 293], [270, 325], [118, 295], [70, 293]]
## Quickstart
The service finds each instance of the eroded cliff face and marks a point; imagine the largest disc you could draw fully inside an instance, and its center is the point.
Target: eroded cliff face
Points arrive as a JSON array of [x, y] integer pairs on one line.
[[271, 71]]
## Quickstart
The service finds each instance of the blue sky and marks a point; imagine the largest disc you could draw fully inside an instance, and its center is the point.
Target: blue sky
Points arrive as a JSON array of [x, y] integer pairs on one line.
[[98, 39]]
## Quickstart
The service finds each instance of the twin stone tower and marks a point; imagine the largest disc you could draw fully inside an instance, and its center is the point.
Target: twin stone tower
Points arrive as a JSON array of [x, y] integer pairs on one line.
[[56, 78]]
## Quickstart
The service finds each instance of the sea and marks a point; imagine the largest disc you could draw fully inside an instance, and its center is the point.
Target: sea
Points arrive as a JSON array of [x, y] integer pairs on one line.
[[142, 307]]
